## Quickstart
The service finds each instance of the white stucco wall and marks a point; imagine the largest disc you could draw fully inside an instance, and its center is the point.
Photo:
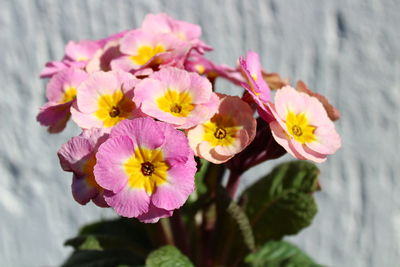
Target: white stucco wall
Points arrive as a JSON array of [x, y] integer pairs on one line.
[[346, 50]]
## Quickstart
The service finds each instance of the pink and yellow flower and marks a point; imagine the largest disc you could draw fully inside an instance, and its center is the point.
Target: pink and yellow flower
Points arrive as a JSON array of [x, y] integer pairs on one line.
[[184, 99], [78, 156], [143, 50], [185, 31], [256, 85], [302, 126], [77, 55], [146, 175], [227, 133], [104, 100], [61, 93]]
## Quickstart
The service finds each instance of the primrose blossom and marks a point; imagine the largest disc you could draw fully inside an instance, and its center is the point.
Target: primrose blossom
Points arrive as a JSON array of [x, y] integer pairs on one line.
[[142, 51], [227, 133], [78, 156], [61, 94], [182, 98], [146, 175], [302, 126], [104, 100]]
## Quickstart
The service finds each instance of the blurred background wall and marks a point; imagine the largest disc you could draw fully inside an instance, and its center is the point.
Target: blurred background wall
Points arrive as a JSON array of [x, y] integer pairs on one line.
[[347, 50]]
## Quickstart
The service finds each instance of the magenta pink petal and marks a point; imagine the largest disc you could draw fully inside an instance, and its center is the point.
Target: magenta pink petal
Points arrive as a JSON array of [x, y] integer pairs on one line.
[[112, 154], [55, 116], [141, 131], [174, 139], [74, 153], [176, 190], [154, 214]]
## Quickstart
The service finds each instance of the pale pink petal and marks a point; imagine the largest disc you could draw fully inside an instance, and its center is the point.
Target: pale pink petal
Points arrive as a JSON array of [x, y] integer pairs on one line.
[[128, 202], [206, 151], [241, 141], [328, 141], [307, 153], [287, 99], [282, 138], [123, 63], [174, 79], [85, 121], [82, 50], [63, 80], [201, 88]]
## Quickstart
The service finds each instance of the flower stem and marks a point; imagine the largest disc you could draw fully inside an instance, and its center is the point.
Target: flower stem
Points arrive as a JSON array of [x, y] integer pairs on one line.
[[179, 232], [165, 228], [233, 183]]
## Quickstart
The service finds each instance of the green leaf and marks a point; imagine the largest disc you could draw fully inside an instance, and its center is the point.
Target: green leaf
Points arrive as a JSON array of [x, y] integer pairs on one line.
[[280, 254], [201, 188], [90, 243], [282, 203], [167, 256], [128, 238], [107, 258]]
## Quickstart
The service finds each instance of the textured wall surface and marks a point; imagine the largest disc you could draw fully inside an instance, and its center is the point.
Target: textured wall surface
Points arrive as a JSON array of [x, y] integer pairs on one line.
[[346, 50]]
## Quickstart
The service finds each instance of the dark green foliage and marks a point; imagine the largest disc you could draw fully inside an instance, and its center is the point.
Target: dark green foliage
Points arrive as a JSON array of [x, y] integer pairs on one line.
[[281, 203], [167, 256], [280, 254], [111, 243]]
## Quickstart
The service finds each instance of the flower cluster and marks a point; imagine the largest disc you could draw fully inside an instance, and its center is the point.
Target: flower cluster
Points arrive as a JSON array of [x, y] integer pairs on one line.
[[146, 103]]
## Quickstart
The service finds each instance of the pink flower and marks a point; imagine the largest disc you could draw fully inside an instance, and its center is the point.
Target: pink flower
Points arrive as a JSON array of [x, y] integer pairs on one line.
[[148, 168], [143, 50], [77, 55], [81, 51], [61, 93], [302, 126], [101, 61], [54, 67], [333, 113], [197, 63], [227, 133], [78, 156], [181, 98], [185, 31], [104, 100], [256, 85]]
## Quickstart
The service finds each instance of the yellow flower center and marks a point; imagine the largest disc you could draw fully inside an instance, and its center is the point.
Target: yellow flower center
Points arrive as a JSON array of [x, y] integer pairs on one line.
[[69, 94], [81, 58], [145, 53], [146, 169], [299, 128], [220, 131], [176, 103], [200, 68], [114, 108]]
